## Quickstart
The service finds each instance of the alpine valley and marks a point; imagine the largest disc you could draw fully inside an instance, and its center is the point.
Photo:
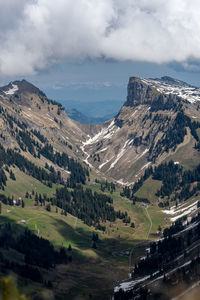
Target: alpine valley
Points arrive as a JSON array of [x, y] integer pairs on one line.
[[107, 211]]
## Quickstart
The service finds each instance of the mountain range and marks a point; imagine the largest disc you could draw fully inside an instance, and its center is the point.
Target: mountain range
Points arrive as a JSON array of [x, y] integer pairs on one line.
[[146, 130], [100, 193], [78, 116]]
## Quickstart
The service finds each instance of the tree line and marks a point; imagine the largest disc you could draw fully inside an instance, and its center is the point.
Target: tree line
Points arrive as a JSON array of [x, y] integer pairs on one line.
[[93, 208]]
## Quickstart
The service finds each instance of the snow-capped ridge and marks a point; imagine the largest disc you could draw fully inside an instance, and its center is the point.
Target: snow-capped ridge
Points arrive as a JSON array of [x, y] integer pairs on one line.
[[168, 85]]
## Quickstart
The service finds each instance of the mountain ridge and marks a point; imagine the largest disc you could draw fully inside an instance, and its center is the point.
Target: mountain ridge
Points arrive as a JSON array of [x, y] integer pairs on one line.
[[129, 142], [122, 148], [137, 132]]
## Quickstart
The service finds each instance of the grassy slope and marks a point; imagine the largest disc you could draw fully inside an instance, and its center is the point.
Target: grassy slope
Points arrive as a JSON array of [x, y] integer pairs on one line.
[[186, 155], [102, 266], [25, 183], [149, 189], [136, 213]]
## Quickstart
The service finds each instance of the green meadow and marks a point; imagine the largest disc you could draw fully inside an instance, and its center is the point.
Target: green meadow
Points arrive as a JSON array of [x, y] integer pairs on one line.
[[107, 263]]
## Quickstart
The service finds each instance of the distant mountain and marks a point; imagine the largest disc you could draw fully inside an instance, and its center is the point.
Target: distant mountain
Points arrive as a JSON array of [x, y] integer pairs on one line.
[[95, 109], [78, 116]]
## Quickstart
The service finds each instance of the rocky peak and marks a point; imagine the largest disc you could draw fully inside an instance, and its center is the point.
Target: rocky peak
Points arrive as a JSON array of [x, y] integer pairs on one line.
[[138, 92], [20, 87], [144, 92], [25, 86]]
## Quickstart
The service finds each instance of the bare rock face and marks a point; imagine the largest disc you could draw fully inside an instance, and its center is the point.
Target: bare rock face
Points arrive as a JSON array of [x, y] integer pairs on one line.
[[139, 92]]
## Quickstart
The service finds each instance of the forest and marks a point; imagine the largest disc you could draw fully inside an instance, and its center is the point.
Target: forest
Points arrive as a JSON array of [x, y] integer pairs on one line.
[[91, 207], [177, 184], [33, 254]]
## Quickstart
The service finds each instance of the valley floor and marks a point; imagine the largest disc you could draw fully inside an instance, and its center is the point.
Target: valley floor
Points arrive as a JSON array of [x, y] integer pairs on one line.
[[93, 271]]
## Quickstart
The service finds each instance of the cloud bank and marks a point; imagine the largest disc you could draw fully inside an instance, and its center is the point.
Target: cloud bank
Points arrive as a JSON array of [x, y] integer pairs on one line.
[[38, 33]]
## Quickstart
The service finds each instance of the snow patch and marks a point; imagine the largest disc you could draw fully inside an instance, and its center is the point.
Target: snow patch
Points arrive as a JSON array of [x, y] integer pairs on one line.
[[130, 142], [126, 286], [134, 113], [102, 150], [120, 181], [68, 172], [192, 225], [144, 152], [185, 213], [105, 133], [137, 157], [145, 166], [119, 155], [86, 159], [107, 161], [186, 92], [181, 212], [123, 150], [176, 210], [12, 90], [63, 138], [28, 115], [110, 134]]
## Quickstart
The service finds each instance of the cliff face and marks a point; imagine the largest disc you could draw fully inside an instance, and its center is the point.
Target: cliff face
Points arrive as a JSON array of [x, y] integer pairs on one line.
[[139, 92]]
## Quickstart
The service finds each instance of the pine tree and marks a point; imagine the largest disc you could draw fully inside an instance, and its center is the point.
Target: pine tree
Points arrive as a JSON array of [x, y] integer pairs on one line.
[[48, 207], [132, 225], [94, 246], [12, 175]]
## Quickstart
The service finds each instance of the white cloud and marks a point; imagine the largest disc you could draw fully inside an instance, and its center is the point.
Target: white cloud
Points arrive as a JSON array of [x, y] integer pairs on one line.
[[38, 33]]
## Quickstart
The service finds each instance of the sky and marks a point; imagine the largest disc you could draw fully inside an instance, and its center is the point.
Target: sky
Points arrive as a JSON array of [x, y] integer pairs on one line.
[[84, 51]]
